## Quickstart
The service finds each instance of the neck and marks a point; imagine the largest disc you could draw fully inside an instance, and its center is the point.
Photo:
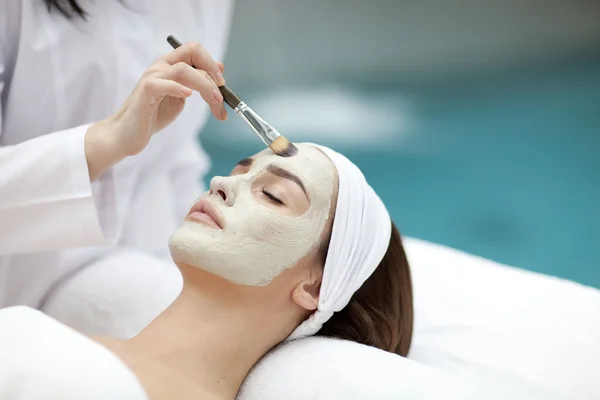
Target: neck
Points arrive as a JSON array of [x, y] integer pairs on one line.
[[212, 335]]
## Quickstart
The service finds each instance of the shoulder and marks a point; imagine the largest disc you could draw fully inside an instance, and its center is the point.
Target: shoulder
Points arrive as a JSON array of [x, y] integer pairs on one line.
[[42, 358]]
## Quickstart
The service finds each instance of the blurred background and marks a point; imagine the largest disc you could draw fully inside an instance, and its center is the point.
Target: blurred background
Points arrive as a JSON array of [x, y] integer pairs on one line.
[[478, 123]]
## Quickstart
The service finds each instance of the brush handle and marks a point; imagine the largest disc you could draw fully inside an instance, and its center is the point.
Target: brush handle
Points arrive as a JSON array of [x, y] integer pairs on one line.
[[228, 96], [173, 41]]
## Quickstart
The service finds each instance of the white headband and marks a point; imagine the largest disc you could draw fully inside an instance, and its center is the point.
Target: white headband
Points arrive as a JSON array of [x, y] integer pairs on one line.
[[360, 238]]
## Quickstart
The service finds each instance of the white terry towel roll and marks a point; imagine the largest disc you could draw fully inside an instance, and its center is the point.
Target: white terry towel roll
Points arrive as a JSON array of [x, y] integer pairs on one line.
[[41, 358]]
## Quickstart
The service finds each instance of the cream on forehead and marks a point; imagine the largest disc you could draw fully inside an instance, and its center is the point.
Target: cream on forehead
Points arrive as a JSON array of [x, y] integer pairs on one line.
[[258, 242]]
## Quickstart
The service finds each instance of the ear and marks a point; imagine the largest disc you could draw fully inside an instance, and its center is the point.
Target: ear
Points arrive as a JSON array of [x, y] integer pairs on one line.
[[306, 293]]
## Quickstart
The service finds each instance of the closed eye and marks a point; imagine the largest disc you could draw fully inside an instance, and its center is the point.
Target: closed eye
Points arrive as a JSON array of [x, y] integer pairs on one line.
[[272, 198]]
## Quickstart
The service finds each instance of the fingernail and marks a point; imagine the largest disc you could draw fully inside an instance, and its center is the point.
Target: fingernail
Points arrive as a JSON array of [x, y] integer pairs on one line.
[[224, 114], [217, 95], [186, 90], [220, 79]]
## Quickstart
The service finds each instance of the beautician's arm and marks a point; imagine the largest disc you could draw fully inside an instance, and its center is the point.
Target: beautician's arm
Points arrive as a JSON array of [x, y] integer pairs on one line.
[[47, 201]]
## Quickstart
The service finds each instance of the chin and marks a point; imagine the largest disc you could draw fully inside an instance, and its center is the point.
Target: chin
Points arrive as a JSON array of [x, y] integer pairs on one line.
[[184, 243], [203, 247]]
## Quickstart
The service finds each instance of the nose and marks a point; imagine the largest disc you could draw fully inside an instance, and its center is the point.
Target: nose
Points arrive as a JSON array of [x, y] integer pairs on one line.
[[222, 194], [222, 187]]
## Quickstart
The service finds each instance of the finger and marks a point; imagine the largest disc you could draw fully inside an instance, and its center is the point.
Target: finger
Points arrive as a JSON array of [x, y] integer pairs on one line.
[[158, 87], [197, 56], [197, 80], [221, 66], [219, 112]]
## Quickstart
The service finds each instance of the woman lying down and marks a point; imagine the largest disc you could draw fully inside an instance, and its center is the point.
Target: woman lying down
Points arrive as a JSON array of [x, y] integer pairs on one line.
[[281, 249]]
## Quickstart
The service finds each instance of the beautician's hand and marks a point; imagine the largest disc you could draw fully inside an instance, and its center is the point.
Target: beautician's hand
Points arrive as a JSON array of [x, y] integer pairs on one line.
[[155, 102]]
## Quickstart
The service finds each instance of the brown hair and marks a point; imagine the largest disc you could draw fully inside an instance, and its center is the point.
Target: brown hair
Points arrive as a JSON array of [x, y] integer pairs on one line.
[[380, 313]]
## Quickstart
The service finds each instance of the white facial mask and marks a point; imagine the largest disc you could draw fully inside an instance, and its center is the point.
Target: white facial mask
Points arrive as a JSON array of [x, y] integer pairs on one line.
[[259, 242]]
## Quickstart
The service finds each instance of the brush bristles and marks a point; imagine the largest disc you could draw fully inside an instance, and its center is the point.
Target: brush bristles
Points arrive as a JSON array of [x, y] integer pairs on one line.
[[283, 147]]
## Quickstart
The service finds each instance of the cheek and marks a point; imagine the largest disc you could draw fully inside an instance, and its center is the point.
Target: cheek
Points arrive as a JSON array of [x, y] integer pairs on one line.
[[285, 231], [262, 201]]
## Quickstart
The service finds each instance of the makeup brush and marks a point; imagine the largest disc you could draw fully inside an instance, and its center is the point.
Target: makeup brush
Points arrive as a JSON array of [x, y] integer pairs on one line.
[[269, 135]]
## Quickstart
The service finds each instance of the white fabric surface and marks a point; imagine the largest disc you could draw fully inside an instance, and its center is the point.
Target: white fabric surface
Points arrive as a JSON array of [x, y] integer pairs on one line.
[[117, 295], [59, 74], [510, 327], [513, 334], [360, 237], [41, 358], [327, 369]]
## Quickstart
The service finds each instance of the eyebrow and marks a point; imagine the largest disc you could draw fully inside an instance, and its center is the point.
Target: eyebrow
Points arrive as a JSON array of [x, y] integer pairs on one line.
[[246, 162], [282, 173]]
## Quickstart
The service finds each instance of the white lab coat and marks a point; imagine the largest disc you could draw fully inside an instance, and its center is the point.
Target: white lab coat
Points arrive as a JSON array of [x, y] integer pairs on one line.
[[56, 77]]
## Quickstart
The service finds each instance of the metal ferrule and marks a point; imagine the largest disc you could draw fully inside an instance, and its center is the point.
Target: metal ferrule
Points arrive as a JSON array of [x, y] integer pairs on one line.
[[266, 132]]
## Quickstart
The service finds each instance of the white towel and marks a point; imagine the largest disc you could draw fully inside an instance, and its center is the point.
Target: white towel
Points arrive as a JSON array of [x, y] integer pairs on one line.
[[41, 358], [320, 368]]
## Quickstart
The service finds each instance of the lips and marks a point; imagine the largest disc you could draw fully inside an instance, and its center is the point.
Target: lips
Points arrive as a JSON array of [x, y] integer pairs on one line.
[[206, 213]]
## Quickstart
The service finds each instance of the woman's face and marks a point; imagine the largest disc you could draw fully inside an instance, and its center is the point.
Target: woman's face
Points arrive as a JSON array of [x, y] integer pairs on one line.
[[263, 218]]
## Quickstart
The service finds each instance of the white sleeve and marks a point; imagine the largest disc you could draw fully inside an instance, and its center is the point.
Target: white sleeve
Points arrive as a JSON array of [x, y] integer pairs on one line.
[[46, 199]]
